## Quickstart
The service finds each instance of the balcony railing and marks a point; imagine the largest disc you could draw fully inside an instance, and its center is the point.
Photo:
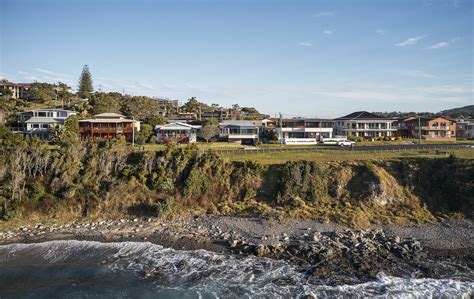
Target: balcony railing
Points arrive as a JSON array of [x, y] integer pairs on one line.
[[369, 129], [439, 128], [105, 130]]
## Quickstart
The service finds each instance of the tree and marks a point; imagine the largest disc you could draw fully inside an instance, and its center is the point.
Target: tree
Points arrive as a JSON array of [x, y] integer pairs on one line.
[[66, 134], [83, 108], [5, 91], [106, 102], [63, 93], [211, 122], [146, 132], [85, 83], [208, 132], [194, 106], [155, 121], [42, 92], [140, 107]]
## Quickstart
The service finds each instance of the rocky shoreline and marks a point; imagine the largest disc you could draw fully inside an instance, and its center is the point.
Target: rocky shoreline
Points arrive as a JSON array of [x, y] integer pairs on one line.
[[322, 251]]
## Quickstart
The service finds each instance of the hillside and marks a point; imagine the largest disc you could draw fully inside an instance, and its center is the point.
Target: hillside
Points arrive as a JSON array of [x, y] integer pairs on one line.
[[466, 112], [89, 181]]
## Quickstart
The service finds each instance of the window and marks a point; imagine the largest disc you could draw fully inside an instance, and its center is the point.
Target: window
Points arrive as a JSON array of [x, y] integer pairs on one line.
[[41, 114], [36, 126]]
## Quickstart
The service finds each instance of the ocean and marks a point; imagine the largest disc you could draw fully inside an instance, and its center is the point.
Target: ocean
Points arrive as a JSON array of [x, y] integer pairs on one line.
[[85, 269]]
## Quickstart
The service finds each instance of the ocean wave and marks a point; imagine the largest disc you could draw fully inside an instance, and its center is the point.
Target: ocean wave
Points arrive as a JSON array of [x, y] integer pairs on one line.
[[203, 274]]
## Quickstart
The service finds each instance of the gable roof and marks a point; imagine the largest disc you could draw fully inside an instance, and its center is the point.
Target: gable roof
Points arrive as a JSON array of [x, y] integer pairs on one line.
[[108, 115], [428, 118], [362, 115], [177, 126]]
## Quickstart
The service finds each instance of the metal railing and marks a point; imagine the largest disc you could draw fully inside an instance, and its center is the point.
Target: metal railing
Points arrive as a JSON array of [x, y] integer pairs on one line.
[[373, 149]]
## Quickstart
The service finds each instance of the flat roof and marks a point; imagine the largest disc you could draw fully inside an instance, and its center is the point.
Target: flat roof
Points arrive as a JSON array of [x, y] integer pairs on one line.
[[240, 123], [43, 120]]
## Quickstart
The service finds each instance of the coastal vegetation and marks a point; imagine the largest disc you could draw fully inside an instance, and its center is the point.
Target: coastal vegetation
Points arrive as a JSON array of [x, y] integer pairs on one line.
[[80, 180]]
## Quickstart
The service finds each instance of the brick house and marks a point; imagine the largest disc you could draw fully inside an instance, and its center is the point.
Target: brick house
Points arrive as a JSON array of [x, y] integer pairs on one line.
[[431, 128]]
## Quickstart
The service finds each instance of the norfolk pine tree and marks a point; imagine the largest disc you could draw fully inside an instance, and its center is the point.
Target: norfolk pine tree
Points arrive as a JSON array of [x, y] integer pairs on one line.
[[85, 83]]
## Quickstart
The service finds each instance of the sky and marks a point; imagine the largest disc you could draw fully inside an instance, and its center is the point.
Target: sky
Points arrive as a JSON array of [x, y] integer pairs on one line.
[[300, 58]]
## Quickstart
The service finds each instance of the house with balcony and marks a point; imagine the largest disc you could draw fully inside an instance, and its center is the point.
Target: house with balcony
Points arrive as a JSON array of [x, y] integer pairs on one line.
[[108, 126], [177, 132], [18, 90], [300, 131], [365, 124], [465, 128], [218, 114], [244, 132], [430, 128], [184, 117], [38, 122]]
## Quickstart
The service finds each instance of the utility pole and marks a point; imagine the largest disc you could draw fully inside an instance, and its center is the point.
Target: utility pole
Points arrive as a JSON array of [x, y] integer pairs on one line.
[[133, 131], [419, 129], [281, 128]]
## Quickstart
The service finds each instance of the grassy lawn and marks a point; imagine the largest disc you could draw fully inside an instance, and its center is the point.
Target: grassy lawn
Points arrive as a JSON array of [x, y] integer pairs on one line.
[[414, 141], [282, 157], [226, 145]]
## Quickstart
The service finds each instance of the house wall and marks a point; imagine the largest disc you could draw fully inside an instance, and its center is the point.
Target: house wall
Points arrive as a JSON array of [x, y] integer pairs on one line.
[[439, 128], [105, 131], [365, 128], [465, 129]]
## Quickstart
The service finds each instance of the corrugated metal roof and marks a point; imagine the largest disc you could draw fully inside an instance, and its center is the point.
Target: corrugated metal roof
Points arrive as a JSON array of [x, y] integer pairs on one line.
[[108, 120], [43, 120], [177, 126], [108, 114]]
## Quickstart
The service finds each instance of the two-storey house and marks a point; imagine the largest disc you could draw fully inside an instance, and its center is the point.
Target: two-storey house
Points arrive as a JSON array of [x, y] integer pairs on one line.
[[245, 132], [108, 126], [38, 122], [430, 128], [304, 130], [365, 124]]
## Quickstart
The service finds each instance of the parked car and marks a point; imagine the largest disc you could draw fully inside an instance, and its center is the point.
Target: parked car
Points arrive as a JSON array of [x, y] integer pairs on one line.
[[346, 143]]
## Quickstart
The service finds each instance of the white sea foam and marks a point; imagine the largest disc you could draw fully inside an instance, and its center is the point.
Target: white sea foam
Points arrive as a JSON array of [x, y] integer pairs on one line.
[[207, 274]]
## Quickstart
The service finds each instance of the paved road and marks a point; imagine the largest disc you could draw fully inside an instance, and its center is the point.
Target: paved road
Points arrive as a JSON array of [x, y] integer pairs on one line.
[[397, 147]]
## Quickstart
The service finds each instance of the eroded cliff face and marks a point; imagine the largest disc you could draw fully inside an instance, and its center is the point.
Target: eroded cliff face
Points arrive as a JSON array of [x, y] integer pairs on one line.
[[399, 191], [100, 182]]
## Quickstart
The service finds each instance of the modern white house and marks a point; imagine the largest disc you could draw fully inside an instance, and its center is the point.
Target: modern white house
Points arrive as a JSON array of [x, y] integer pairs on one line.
[[300, 131], [245, 132], [37, 122], [365, 124], [178, 132]]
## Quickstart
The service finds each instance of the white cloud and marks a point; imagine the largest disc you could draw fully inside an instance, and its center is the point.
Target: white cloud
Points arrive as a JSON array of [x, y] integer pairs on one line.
[[380, 31], [416, 74], [328, 32], [411, 41], [325, 14], [48, 72], [306, 44], [439, 45]]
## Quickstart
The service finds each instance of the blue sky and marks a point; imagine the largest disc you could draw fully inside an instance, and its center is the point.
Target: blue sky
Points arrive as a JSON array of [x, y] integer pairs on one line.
[[301, 58]]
